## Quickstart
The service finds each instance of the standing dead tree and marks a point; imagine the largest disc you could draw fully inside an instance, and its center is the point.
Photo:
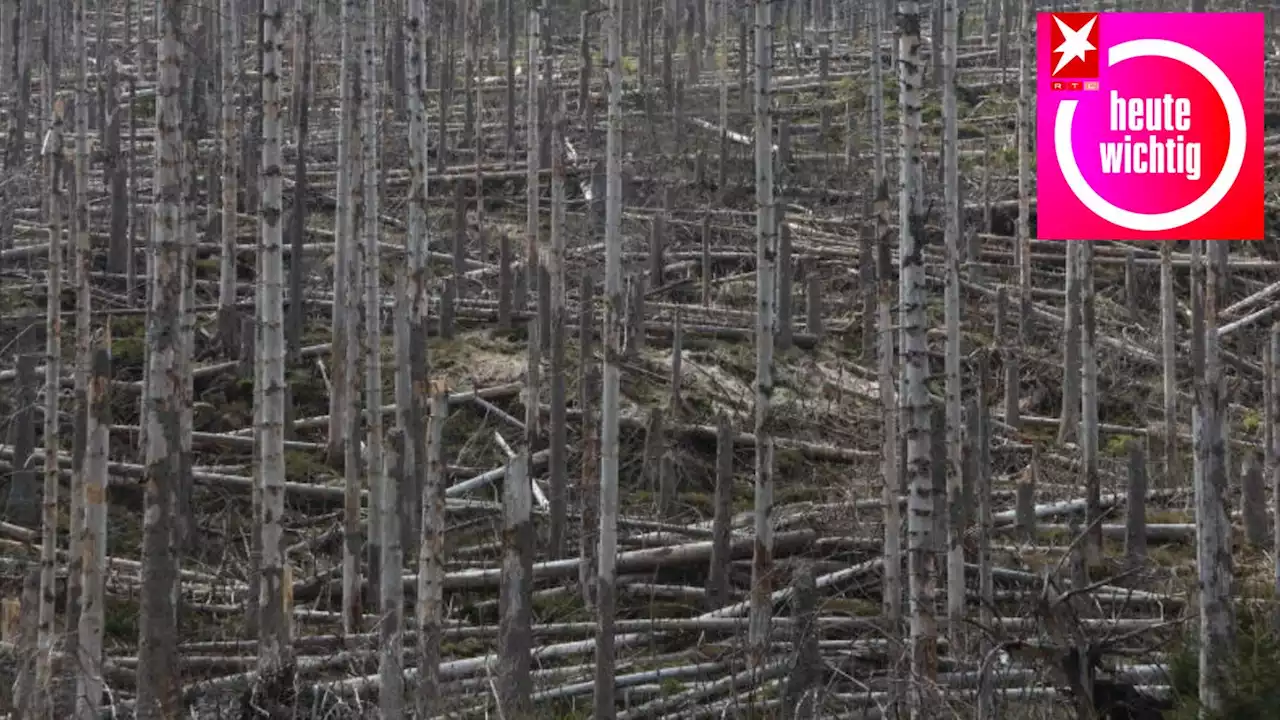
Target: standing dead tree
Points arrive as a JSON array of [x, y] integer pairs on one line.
[[157, 630], [51, 152], [1213, 525], [275, 656], [609, 392], [766, 326], [915, 404], [951, 231], [94, 543]]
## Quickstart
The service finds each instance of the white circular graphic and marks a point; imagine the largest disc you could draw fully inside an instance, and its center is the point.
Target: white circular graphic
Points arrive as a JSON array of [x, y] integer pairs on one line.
[[1156, 222]]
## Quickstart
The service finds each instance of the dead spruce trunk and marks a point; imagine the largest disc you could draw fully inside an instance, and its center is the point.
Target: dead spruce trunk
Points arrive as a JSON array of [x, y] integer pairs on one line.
[[52, 159], [94, 543], [371, 274], [275, 653], [515, 638], [344, 322], [1213, 527], [555, 270], [951, 214], [922, 571], [430, 610], [83, 253], [1089, 405], [157, 632], [891, 469], [228, 320], [603, 704], [1169, 357], [766, 326]]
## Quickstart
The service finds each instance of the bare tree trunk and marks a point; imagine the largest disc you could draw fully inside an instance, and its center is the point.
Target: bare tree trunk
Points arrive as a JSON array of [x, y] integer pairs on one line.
[[951, 213], [1089, 406], [414, 395], [555, 262], [532, 157], [1068, 428], [372, 270], [52, 152], [114, 174], [391, 648], [1023, 247], [302, 16], [15, 152], [589, 478], [342, 402], [1213, 527], [766, 325], [84, 350], [228, 320], [516, 599], [922, 573], [877, 94], [722, 66], [94, 542], [157, 632], [509, 54], [890, 467], [612, 346], [1273, 448], [344, 243], [131, 271], [431, 554], [1169, 356], [275, 656]]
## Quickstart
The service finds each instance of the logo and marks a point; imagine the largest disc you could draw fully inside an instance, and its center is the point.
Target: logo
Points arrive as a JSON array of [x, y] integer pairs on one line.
[[1149, 126], [1074, 39]]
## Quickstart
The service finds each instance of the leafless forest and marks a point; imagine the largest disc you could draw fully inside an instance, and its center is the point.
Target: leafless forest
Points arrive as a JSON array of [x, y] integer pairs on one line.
[[648, 359]]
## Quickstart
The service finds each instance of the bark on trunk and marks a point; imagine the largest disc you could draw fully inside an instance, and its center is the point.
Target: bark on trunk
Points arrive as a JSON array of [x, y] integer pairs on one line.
[[157, 632], [766, 326], [609, 395], [922, 571], [1213, 527], [275, 656], [94, 543], [951, 213]]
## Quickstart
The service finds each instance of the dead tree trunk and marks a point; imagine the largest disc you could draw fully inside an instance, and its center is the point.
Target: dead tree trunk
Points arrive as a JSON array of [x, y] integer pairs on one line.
[[1089, 406], [157, 632], [1169, 357], [555, 267], [766, 326], [275, 655], [890, 462], [430, 610], [609, 394], [1213, 527], [922, 572], [83, 260], [228, 320], [94, 543], [951, 214], [515, 635]]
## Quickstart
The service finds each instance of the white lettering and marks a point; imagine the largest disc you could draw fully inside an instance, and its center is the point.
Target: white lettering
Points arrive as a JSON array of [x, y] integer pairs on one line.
[[1153, 155], [1162, 114], [1172, 156]]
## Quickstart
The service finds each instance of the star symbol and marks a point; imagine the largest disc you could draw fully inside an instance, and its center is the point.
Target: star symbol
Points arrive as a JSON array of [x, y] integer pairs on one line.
[[1075, 43]]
